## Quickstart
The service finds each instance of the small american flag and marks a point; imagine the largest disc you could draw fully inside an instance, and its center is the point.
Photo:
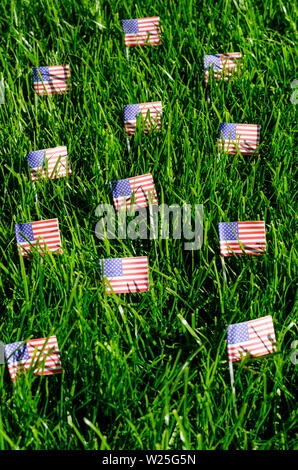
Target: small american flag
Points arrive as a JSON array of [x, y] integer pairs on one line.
[[49, 163], [41, 355], [242, 237], [151, 113], [51, 80], [223, 66], [43, 234], [125, 275], [242, 137], [252, 338], [134, 192], [141, 31]]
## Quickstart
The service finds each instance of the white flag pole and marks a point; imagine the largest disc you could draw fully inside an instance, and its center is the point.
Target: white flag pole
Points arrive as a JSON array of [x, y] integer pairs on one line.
[[232, 384], [35, 195], [232, 377], [224, 270], [36, 101], [128, 144], [127, 53]]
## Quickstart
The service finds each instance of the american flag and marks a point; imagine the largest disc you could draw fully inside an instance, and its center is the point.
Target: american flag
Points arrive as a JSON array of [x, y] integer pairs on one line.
[[40, 355], [242, 237], [125, 275], [141, 31], [242, 137], [253, 338], [43, 234], [49, 163], [223, 66], [151, 113], [51, 80], [139, 190]]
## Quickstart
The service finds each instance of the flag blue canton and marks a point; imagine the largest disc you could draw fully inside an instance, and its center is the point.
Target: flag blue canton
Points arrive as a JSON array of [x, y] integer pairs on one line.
[[130, 26], [121, 188], [25, 229], [16, 352], [210, 60], [237, 333], [228, 131], [111, 267], [228, 231], [131, 111], [41, 71], [36, 159]]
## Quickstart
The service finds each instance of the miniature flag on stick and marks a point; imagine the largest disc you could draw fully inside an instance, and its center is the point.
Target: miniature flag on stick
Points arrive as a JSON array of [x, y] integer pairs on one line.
[[242, 238], [151, 113], [41, 355], [132, 193], [125, 275], [49, 163], [141, 31], [51, 80], [244, 138], [44, 235], [222, 66], [251, 339]]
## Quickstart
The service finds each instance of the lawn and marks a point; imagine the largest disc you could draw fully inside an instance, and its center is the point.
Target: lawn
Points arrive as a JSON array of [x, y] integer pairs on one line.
[[154, 374]]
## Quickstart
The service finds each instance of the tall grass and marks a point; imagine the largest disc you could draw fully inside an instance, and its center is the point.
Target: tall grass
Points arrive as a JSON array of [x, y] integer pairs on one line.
[[156, 376]]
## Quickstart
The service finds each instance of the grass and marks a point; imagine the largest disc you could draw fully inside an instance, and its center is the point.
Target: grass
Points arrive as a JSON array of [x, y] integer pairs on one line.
[[145, 379]]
